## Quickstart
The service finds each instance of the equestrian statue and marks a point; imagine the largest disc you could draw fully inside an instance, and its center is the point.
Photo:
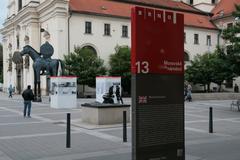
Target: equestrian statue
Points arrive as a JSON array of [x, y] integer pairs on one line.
[[43, 64]]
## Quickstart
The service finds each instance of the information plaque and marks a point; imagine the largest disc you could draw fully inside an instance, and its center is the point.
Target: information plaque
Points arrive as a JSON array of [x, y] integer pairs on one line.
[[157, 85]]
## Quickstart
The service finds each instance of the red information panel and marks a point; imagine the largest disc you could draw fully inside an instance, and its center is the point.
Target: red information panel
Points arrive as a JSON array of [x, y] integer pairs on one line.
[[157, 41], [157, 85]]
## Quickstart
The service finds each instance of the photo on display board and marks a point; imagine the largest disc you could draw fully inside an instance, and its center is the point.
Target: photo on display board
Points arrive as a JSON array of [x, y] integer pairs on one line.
[[63, 88]]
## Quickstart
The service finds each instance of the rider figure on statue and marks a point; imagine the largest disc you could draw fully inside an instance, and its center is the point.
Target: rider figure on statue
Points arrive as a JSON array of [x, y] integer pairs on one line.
[[46, 52]]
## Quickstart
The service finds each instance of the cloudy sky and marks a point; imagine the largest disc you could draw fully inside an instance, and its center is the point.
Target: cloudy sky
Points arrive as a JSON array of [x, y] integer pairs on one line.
[[3, 13]]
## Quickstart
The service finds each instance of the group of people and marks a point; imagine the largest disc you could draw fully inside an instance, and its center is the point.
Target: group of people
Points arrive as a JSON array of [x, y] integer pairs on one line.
[[187, 92], [108, 98]]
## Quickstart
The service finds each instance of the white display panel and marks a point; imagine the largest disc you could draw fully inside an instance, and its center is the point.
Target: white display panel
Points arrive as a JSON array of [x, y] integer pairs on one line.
[[63, 92], [103, 85]]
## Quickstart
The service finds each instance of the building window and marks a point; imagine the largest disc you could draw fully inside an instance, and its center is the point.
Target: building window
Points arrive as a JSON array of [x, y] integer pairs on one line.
[[88, 27], [19, 5], [191, 2], [91, 49], [213, 1], [229, 83], [209, 43], [229, 49], [229, 25], [186, 57], [185, 37], [196, 39], [124, 31], [107, 29], [18, 43]]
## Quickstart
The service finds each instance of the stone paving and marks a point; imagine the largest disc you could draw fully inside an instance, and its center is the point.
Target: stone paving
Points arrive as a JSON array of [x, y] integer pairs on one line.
[[43, 136]]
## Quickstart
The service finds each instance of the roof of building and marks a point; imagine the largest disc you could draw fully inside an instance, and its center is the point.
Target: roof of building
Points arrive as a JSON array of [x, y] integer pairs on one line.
[[118, 9], [170, 4], [103, 7], [224, 8], [200, 21]]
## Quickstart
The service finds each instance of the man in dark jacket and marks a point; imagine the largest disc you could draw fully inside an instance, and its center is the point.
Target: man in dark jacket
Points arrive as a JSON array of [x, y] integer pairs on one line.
[[28, 97]]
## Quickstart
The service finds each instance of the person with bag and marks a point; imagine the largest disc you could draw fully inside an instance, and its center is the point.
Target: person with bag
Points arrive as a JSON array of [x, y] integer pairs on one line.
[[28, 97]]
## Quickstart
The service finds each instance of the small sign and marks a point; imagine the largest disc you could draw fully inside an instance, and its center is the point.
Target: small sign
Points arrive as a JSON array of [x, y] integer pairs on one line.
[[63, 92]]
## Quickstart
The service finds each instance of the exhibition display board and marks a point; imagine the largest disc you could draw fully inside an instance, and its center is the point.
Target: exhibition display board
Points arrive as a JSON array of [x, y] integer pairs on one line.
[[63, 92], [157, 84], [106, 84]]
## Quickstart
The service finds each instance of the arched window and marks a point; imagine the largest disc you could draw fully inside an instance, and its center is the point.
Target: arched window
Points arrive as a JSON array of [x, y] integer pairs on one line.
[[186, 57], [90, 48]]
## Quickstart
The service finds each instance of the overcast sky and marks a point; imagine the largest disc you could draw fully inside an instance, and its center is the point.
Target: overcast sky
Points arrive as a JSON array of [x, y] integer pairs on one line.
[[3, 13]]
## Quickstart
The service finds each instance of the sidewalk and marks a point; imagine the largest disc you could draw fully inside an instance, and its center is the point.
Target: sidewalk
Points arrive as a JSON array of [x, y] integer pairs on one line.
[[42, 137]]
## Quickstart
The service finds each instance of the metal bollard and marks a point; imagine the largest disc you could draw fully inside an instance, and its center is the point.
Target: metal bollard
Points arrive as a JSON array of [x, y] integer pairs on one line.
[[68, 131], [210, 120], [124, 126]]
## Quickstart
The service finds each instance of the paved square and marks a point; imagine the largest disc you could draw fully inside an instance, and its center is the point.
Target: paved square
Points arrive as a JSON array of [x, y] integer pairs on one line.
[[43, 136]]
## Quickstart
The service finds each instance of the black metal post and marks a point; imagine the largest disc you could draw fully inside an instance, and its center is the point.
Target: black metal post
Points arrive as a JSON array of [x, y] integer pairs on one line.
[[124, 126], [210, 120], [68, 134]]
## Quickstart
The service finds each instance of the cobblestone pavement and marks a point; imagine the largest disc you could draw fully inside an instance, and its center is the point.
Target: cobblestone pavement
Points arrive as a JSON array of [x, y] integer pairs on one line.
[[42, 137]]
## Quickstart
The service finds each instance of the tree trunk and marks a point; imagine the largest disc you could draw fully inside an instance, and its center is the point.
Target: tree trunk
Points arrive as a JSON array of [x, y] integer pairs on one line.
[[208, 87], [205, 88], [83, 89], [219, 87]]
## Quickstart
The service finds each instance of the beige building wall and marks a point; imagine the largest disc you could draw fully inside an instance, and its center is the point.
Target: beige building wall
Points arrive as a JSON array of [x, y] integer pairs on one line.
[[104, 45], [53, 17]]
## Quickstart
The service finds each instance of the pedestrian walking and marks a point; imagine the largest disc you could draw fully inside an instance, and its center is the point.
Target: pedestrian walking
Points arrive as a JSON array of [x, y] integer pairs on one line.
[[185, 91], [118, 94], [10, 91], [28, 97], [189, 93]]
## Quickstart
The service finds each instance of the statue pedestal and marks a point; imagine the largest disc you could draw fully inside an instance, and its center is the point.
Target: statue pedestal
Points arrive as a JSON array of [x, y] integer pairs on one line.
[[104, 114], [37, 99]]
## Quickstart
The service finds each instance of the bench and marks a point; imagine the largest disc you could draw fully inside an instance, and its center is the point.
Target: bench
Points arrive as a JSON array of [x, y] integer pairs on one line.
[[235, 104]]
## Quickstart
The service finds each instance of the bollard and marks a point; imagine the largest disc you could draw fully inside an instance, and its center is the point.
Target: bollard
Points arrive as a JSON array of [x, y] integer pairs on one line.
[[68, 132], [124, 126], [210, 120]]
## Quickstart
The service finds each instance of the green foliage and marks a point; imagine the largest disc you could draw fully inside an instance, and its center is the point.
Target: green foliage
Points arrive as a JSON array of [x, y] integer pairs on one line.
[[199, 71], [1, 77], [85, 64], [232, 37], [209, 67], [1, 63], [120, 64], [220, 65]]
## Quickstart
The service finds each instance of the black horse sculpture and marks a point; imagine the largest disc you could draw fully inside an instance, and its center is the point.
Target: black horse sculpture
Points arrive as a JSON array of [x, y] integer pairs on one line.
[[42, 66]]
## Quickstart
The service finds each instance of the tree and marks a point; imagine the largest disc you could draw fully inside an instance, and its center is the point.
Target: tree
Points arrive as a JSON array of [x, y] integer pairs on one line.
[[1, 63], [120, 64], [209, 67], [231, 35], [85, 64], [221, 67], [199, 71]]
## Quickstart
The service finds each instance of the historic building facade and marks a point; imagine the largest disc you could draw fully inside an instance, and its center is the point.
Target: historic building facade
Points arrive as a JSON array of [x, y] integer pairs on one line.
[[96, 24]]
